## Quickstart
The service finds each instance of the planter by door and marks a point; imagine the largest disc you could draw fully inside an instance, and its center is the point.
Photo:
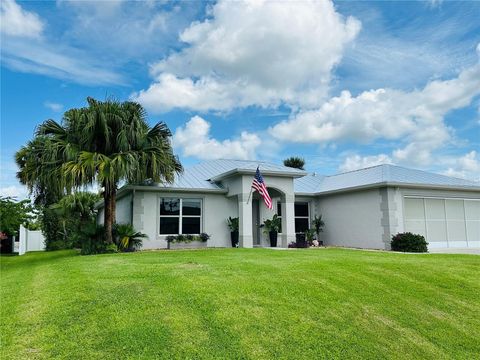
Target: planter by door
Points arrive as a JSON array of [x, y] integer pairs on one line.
[[300, 240], [234, 238], [273, 238]]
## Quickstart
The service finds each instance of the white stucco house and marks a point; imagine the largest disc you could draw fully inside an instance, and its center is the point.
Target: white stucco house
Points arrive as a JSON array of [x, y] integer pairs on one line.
[[362, 208]]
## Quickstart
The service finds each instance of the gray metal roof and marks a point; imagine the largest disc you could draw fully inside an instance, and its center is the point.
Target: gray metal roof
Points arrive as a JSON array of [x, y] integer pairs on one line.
[[198, 176], [381, 174]]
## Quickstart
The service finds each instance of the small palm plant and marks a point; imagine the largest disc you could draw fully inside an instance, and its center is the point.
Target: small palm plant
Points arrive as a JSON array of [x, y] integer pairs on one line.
[[128, 239], [272, 227], [318, 225], [233, 225]]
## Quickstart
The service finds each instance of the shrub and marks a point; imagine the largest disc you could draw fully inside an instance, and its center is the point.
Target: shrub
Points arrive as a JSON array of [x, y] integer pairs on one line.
[[408, 242], [203, 237], [293, 244], [127, 238]]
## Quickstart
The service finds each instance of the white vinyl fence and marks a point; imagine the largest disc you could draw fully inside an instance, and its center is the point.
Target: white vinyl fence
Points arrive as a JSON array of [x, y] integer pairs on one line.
[[30, 241]]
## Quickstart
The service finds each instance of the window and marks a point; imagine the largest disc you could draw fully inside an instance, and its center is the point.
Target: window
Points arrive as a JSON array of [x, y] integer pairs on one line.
[[180, 216], [302, 219], [279, 214]]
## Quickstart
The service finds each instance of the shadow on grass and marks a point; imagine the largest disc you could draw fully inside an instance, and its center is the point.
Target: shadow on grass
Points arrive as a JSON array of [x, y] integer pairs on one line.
[[36, 258]]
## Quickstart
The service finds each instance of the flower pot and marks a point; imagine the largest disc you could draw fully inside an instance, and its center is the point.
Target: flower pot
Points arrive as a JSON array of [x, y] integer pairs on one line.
[[273, 235], [234, 238], [300, 240]]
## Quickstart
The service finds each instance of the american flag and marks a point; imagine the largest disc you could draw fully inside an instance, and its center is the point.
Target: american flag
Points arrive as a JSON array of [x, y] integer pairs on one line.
[[259, 185]]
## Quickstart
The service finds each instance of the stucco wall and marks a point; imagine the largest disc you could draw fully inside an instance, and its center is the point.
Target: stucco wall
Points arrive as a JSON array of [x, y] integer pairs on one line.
[[124, 210], [352, 219], [216, 208]]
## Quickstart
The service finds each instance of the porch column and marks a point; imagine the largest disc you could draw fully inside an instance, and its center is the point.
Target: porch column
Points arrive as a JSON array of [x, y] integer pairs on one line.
[[245, 221], [288, 220]]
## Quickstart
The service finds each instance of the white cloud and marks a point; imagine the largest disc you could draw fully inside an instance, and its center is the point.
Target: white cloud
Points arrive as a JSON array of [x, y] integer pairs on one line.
[[55, 107], [253, 53], [194, 139], [415, 118], [356, 162], [466, 166], [25, 48], [15, 21], [17, 191]]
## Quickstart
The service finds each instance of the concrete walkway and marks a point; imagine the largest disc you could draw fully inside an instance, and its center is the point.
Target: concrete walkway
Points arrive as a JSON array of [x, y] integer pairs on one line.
[[472, 251]]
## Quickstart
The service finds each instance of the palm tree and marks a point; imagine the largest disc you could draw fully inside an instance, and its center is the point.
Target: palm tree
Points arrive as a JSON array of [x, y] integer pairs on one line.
[[295, 162], [105, 142]]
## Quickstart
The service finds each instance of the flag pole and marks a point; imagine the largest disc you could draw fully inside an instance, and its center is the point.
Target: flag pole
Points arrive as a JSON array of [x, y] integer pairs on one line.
[[251, 189]]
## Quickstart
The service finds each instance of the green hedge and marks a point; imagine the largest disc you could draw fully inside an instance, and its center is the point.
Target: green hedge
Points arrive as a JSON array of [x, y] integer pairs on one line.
[[408, 242]]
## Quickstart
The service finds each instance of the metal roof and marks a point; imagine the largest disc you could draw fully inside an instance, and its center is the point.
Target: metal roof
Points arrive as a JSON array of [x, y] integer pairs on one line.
[[379, 175], [199, 176]]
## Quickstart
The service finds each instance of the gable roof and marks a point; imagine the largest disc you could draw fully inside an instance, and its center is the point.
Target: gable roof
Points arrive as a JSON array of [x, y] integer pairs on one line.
[[206, 175], [379, 175]]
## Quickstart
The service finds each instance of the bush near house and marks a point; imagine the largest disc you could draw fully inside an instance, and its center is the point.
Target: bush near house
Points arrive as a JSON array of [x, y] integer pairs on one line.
[[408, 242], [186, 238]]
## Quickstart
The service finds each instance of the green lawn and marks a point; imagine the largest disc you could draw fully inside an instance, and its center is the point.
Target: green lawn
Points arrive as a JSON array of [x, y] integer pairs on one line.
[[240, 303]]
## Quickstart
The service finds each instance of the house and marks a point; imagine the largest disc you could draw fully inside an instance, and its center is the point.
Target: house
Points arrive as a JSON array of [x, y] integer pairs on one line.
[[361, 208]]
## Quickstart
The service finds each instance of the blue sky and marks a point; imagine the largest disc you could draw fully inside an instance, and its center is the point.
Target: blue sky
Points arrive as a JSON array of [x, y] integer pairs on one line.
[[344, 84]]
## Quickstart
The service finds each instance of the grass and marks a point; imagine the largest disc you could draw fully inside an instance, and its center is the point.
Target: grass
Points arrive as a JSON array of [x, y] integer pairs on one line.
[[240, 304]]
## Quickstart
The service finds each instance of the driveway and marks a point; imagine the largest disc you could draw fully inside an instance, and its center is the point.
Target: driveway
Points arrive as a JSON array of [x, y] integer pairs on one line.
[[473, 251]]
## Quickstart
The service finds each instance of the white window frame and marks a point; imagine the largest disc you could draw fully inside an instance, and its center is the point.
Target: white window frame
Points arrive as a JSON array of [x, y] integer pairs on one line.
[[302, 217], [180, 216], [279, 202]]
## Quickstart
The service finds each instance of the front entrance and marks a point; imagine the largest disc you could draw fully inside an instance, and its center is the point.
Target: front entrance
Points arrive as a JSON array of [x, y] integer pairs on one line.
[[256, 222]]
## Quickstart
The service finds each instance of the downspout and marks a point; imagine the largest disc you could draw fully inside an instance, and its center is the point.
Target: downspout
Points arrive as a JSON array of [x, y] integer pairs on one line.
[[131, 207]]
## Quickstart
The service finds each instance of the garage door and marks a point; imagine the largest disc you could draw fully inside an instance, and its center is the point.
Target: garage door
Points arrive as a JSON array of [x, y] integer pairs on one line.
[[445, 222]]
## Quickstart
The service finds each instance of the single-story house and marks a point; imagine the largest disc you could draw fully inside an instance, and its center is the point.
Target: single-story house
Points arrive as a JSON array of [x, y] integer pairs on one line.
[[361, 208]]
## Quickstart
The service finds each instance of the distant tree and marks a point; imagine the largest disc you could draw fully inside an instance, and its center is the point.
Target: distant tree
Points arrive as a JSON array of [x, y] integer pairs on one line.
[[105, 142], [14, 213], [295, 162], [76, 213]]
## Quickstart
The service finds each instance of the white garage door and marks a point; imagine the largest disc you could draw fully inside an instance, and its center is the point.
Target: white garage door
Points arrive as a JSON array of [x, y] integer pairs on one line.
[[446, 222]]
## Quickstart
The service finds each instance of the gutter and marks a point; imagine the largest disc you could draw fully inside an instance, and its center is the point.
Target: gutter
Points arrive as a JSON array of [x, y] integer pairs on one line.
[[398, 185], [293, 174]]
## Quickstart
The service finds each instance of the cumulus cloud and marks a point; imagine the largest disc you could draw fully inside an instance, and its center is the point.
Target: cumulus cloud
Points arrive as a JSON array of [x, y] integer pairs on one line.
[[194, 139], [466, 166], [261, 53], [356, 162], [17, 22], [415, 118]]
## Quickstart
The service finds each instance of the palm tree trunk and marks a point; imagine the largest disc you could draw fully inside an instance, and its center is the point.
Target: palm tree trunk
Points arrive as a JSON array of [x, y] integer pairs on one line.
[[113, 204], [107, 216]]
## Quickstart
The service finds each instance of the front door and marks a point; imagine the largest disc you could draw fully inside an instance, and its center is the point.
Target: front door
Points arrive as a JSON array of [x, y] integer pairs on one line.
[[256, 222]]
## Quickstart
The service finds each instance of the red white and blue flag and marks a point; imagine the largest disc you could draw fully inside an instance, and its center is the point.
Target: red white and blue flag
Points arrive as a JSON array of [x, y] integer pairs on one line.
[[259, 185]]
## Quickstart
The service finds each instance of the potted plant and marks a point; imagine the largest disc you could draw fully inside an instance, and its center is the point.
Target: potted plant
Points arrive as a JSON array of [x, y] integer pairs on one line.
[[233, 226], [272, 226], [309, 236], [318, 225]]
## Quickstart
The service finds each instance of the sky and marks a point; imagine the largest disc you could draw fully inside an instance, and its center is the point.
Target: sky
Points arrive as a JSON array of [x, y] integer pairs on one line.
[[345, 85]]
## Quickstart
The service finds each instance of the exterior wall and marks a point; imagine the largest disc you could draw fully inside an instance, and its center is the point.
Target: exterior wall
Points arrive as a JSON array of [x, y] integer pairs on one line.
[[216, 208], [124, 210], [352, 219]]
